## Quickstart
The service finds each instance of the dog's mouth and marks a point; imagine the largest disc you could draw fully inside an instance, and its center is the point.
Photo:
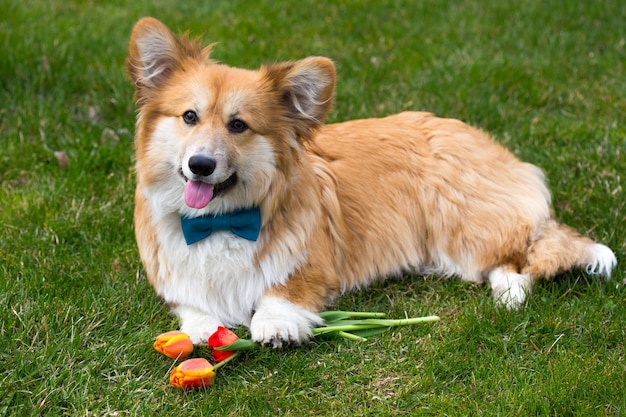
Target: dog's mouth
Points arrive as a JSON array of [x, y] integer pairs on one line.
[[198, 194]]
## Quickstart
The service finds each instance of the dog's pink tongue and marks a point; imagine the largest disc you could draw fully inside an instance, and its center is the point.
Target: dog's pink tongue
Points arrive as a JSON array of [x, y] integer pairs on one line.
[[198, 194]]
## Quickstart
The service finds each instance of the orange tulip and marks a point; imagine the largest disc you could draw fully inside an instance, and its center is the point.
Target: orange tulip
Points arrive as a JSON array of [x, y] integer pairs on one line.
[[222, 337], [192, 374], [174, 344]]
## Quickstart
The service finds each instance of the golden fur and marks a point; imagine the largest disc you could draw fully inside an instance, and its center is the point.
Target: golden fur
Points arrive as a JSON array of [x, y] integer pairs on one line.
[[342, 205]]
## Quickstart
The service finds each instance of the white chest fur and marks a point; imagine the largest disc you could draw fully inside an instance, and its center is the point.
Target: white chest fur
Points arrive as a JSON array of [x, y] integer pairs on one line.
[[217, 276]]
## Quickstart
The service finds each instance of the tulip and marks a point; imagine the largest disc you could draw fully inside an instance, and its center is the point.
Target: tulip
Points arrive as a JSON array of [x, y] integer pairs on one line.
[[192, 374], [175, 344], [222, 337]]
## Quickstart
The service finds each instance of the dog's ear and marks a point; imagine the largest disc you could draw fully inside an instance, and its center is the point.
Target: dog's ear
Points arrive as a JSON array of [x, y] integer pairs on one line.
[[305, 90], [155, 53]]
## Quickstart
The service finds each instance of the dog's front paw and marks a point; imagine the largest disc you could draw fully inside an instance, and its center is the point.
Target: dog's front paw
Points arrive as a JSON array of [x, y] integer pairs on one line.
[[199, 326], [278, 322]]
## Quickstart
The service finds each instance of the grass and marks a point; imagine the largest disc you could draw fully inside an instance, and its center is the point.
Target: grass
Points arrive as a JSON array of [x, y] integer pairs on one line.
[[78, 317]]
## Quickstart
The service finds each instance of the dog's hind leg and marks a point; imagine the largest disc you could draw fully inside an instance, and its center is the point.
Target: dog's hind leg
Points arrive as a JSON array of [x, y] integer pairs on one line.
[[558, 248]]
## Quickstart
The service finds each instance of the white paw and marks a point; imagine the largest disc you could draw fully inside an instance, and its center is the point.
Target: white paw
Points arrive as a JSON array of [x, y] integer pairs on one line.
[[509, 288], [278, 322], [602, 260], [197, 325]]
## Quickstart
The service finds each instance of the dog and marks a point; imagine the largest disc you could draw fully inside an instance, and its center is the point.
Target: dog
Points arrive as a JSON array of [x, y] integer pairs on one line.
[[249, 211]]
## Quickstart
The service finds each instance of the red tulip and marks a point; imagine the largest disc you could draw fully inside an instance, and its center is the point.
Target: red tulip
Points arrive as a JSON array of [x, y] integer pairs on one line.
[[174, 344], [222, 337], [192, 374]]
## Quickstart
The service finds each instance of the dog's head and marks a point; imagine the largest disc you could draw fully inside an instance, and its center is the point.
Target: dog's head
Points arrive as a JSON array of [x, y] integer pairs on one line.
[[216, 138]]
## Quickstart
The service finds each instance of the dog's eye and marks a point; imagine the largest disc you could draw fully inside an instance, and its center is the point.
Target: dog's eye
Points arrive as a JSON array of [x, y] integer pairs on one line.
[[190, 117], [237, 126]]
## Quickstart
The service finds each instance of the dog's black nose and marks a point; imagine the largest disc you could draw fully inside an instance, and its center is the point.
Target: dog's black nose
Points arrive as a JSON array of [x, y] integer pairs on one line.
[[202, 165]]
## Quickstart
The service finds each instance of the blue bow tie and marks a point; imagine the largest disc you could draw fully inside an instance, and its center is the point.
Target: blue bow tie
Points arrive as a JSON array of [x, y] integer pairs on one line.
[[245, 223]]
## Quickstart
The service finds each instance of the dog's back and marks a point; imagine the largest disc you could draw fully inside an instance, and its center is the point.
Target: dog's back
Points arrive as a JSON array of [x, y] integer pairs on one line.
[[434, 195]]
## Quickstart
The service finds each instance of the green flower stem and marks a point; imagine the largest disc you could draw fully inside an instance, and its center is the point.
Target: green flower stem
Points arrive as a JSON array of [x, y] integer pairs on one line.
[[347, 327], [330, 316], [401, 322], [352, 325], [351, 336], [342, 326], [225, 361]]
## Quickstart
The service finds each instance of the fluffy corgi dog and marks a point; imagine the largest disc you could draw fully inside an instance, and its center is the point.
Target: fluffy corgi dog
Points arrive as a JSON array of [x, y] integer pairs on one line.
[[250, 211]]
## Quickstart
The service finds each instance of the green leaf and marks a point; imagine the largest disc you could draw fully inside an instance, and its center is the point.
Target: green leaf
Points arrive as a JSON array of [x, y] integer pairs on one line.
[[367, 327], [374, 331], [333, 316], [345, 326], [241, 344]]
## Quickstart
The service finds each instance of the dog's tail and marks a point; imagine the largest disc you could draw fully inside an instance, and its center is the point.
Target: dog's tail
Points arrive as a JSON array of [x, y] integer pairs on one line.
[[556, 249], [559, 248]]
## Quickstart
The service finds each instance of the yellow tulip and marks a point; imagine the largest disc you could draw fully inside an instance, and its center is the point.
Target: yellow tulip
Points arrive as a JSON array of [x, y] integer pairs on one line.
[[174, 344], [192, 374]]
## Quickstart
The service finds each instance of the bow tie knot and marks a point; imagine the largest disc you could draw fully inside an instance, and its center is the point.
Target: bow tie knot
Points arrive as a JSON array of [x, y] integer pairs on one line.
[[245, 223]]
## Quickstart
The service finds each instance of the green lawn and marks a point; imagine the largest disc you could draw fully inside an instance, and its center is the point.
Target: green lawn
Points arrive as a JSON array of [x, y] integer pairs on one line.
[[78, 318]]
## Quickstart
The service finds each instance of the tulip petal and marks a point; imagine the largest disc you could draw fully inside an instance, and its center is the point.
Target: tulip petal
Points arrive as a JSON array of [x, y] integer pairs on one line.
[[174, 344], [192, 374], [222, 337]]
